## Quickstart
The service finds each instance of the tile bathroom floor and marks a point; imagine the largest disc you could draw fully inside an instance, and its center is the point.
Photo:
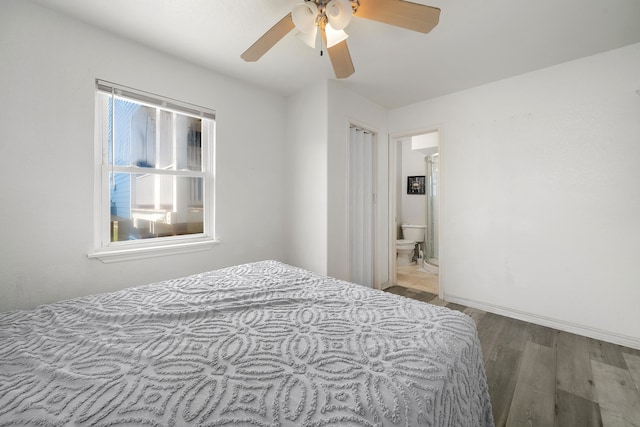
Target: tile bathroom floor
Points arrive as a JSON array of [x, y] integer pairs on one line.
[[409, 276]]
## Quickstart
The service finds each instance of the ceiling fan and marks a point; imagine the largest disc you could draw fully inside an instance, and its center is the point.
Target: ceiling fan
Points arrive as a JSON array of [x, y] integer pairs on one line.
[[332, 16]]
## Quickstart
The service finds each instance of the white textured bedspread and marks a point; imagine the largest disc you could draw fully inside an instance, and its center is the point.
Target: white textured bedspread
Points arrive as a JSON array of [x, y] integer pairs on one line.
[[262, 344]]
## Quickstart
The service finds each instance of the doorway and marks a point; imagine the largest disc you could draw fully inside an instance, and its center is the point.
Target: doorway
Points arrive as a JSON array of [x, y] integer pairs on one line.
[[415, 157]]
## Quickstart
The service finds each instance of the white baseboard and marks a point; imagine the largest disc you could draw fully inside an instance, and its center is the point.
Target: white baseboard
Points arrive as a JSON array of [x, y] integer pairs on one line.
[[587, 331]]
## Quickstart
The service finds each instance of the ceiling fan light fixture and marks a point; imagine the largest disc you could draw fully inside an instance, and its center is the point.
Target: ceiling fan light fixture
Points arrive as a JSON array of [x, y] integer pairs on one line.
[[304, 16], [331, 17], [308, 38], [339, 13], [334, 36]]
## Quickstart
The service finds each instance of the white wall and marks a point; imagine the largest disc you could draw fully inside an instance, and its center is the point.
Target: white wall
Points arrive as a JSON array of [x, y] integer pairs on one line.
[[318, 119], [306, 179], [48, 68], [541, 194], [414, 206], [427, 142], [345, 107]]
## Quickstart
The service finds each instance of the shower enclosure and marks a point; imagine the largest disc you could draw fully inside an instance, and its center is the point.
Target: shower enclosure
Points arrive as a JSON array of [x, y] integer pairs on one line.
[[433, 209]]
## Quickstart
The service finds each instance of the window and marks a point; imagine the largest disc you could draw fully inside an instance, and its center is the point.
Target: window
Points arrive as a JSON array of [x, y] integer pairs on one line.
[[154, 178]]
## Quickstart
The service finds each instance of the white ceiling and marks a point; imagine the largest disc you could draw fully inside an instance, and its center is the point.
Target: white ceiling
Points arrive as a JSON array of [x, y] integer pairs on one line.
[[476, 41]]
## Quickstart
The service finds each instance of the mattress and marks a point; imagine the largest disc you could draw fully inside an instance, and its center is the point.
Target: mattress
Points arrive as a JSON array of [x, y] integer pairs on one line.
[[260, 344]]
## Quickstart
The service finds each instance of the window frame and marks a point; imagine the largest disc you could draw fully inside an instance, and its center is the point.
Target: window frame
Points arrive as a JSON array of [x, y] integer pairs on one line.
[[108, 251]]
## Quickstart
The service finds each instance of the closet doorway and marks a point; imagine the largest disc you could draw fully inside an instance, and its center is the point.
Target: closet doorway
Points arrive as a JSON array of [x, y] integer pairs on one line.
[[361, 196]]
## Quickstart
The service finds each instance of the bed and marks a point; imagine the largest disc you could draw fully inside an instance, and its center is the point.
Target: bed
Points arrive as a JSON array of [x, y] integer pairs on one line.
[[260, 344]]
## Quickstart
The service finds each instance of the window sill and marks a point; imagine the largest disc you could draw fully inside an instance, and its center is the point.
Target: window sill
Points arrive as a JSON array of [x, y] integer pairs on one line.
[[129, 254]]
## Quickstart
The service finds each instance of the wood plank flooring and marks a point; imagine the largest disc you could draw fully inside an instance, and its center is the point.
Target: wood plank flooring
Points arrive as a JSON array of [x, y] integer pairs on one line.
[[540, 376]]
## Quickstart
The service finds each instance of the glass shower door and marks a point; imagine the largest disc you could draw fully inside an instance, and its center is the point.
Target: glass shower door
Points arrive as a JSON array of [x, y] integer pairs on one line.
[[433, 210]]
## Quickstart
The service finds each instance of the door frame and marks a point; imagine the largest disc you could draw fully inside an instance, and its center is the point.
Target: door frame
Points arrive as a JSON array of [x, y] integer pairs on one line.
[[394, 140]]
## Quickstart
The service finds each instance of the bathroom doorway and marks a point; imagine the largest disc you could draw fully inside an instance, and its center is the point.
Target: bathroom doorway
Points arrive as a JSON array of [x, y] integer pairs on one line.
[[415, 157]]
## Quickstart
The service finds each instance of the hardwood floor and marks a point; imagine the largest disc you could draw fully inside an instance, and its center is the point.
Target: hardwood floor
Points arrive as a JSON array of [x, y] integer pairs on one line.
[[539, 376]]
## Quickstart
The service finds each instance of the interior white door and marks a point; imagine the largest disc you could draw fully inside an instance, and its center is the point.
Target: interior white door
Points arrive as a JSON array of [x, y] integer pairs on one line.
[[361, 206]]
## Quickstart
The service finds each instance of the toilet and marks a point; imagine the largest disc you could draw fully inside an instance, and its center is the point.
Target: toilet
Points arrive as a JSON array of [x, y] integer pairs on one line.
[[405, 248]]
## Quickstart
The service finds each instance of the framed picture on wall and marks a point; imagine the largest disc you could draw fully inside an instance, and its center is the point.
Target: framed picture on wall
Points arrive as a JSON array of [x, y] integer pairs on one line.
[[415, 184]]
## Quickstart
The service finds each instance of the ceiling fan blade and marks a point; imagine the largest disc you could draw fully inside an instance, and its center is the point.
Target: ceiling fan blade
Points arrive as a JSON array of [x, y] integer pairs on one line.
[[268, 39], [341, 60], [412, 16]]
